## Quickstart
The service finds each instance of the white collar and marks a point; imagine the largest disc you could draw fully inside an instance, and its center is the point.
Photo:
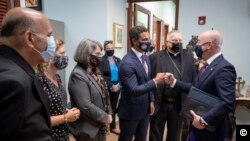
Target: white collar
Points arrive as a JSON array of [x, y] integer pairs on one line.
[[212, 58], [137, 53]]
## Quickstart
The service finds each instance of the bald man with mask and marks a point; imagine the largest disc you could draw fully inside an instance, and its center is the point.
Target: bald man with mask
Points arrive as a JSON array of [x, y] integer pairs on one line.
[[25, 42], [218, 79]]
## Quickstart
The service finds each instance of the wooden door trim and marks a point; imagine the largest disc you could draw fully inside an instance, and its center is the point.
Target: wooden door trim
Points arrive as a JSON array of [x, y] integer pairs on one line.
[[143, 10], [158, 36]]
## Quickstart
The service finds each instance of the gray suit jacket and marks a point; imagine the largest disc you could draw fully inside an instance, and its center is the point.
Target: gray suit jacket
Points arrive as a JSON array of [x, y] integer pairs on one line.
[[86, 95]]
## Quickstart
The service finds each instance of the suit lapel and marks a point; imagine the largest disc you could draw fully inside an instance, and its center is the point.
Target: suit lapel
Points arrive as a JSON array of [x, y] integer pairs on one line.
[[183, 64], [162, 60], [210, 68], [95, 84], [149, 68], [139, 64], [106, 61], [43, 96]]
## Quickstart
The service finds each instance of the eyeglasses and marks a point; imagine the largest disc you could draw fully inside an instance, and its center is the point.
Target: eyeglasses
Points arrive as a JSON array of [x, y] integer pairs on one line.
[[98, 54], [39, 35], [175, 41], [204, 43]]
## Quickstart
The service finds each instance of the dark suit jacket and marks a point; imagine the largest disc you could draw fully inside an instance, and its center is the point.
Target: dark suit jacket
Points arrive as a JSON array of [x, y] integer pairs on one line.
[[86, 95], [105, 69], [158, 64], [136, 88], [218, 79], [24, 106]]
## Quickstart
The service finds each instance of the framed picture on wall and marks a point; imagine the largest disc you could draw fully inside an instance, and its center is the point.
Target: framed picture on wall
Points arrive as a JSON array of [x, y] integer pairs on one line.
[[118, 35], [34, 4]]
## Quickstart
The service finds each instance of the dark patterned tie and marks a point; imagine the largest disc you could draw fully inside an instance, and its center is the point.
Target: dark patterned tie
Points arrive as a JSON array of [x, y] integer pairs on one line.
[[145, 66], [202, 69]]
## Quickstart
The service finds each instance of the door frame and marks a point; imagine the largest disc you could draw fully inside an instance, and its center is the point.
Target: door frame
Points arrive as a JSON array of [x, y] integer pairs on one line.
[[131, 16]]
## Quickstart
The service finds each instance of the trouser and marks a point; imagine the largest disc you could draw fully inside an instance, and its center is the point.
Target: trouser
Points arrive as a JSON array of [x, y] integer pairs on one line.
[[134, 128], [85, 137], [113, 101], [168, 113]]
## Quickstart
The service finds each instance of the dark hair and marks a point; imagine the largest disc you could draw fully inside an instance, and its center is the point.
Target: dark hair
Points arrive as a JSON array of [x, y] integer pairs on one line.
[[16, 26], [106, 43], [135, 32]]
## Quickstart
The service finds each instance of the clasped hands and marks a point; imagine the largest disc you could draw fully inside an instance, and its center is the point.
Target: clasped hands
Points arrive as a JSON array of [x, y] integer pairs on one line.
[[167, 78]]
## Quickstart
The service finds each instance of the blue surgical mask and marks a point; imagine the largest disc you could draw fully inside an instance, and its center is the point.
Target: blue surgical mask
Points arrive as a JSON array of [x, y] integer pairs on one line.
[[50, 51]]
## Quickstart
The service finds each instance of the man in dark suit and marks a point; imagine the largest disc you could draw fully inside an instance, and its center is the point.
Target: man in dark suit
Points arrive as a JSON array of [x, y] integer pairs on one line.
[[180, 62], [218, 78], [136, 103], [25, 42], [109, 70]]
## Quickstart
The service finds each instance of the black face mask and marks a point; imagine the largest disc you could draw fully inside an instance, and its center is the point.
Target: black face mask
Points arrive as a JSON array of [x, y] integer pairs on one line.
[[198, 51], [176, 47], [144, 46], [95, 61], [110, 52], [151, 48], [61, 62]]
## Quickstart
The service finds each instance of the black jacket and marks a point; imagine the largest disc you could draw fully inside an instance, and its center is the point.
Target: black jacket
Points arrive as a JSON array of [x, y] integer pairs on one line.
[[105, 69], [24, 106]]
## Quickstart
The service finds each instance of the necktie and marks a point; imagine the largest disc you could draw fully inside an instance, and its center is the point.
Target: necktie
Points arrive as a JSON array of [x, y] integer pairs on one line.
[[145, 66], [202, 69]]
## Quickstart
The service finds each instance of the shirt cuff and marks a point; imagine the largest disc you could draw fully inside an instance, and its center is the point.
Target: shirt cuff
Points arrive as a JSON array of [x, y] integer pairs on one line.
[[203, 121], [155, 83], [173, 84]]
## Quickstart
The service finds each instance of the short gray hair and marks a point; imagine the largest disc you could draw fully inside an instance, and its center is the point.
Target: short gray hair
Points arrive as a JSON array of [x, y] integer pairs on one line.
[[169, 35], [84, 49]]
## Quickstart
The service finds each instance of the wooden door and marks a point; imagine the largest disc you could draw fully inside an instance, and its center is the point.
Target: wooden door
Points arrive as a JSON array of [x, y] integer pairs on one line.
[[134, 12], [165, 30], [156, 32], [5, 5]]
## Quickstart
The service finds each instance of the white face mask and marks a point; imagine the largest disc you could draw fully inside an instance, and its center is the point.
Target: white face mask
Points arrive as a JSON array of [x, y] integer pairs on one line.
[[50, 51]]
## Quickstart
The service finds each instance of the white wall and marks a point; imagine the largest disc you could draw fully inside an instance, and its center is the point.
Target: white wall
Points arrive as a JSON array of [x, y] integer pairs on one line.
[[231, 18], [164, 10], [117, 13]]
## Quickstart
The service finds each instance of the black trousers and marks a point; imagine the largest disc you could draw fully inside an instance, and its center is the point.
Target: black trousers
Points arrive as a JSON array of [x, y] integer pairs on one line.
[[134, 128], [85, 137], [113, 101], [168, 113]]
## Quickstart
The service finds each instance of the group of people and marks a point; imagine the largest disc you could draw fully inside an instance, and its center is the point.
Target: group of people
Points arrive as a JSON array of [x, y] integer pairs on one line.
[[143, 89]]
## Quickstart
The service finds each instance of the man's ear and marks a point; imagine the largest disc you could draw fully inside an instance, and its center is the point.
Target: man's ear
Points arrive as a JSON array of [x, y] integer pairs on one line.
[[134, 42], [28, 38]]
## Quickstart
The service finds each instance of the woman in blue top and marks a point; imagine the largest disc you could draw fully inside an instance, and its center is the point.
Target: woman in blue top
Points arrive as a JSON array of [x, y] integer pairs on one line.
[[109, 70]]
